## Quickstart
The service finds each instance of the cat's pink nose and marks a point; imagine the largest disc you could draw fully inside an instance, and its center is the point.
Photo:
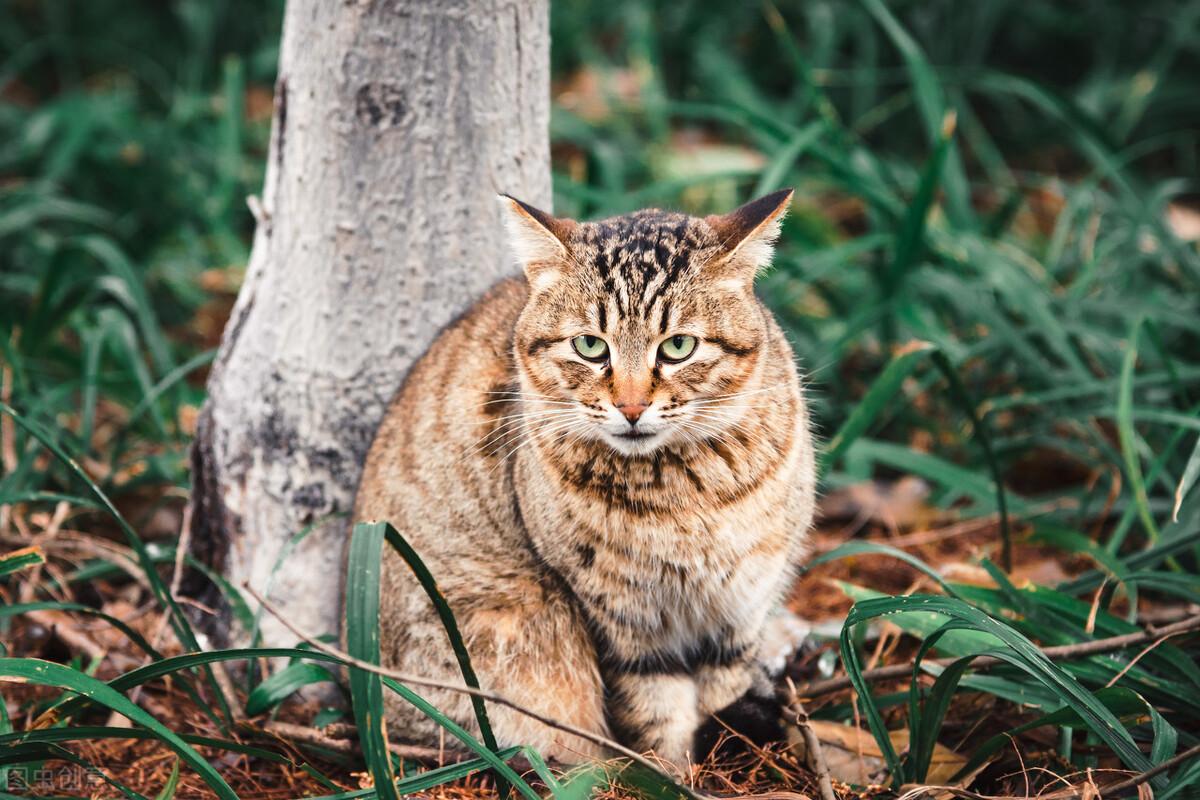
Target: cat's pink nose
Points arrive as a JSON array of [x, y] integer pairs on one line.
[[632, 411]]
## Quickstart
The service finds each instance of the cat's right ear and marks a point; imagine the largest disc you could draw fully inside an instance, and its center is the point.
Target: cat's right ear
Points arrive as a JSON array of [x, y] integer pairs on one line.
[[538, 239]]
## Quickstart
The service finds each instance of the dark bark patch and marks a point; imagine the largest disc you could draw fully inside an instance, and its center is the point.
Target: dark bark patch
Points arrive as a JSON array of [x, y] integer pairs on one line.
[[281, 118], [211, 522], [380, 105], [310, 495]]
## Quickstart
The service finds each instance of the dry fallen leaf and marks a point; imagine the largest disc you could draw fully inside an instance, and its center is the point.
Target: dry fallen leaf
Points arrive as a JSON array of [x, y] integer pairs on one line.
[[853, 756]]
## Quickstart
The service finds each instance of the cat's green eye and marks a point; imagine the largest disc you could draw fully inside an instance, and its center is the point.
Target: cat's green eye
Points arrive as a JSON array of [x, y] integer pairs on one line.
[[592, 348], [677, 348]]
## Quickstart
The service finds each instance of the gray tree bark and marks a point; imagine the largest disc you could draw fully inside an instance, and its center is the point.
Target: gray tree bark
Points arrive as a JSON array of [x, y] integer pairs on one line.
[[396, 124]]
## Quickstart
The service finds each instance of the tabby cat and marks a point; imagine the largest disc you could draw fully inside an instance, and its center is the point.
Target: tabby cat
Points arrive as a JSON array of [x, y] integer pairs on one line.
[[607, 465]]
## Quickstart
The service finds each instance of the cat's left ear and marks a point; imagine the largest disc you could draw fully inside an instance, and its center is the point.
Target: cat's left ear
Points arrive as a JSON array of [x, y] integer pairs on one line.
[[539, 240], [747, 235]]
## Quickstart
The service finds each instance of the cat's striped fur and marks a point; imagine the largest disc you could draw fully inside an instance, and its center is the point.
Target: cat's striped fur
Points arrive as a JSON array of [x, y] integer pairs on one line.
[[615, 581]]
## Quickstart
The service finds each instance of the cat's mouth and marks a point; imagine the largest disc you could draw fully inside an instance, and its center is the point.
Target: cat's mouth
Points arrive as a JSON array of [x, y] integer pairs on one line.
[[636, 441]]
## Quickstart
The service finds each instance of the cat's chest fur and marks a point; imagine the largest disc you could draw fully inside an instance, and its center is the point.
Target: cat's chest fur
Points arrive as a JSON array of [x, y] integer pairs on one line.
[[671, 553]]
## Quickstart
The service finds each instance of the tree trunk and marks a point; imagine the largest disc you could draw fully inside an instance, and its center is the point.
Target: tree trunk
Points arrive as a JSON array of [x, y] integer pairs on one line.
[[396, 124]]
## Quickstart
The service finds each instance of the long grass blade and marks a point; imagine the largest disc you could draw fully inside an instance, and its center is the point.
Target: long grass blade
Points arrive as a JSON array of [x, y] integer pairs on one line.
[[910, 237], [1127, 438], [287, 681], [1190, 474], [931, 103], [362, 642]]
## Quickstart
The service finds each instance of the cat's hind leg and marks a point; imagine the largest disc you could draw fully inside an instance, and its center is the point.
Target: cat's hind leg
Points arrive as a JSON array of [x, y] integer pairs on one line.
[[525, 644], [539, 656]]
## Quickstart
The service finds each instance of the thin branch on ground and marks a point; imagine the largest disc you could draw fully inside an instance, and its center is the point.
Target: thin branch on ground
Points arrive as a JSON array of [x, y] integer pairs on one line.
[[1170, 763], [812, 744], [1060, 653], [183, 544], [312, 736]]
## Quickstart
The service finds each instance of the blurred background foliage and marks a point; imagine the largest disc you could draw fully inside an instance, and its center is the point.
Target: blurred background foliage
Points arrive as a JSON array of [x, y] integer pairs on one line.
[[130, 134]]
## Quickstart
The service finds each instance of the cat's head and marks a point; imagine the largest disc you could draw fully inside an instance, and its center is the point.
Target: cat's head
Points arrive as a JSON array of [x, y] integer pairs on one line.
[[642, 330]]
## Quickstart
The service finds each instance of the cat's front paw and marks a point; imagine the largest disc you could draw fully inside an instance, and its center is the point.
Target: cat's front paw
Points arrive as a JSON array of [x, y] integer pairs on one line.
[[752, 717]]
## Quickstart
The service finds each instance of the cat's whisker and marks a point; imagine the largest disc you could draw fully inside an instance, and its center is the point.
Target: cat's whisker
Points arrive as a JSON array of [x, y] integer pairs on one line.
[[482, 446], [536, 436], [530, 415], [817, 370], [730, 414], [720, 419], [696, 436], [709, 431], [514, 400], [514, 427], [515, 424], [772, 388], [729, 410], [755, 436], [705, 407], [534, 414], [510, 397], [508, 427], [511, 447], [714, 401], [526, 414], [513, 391]]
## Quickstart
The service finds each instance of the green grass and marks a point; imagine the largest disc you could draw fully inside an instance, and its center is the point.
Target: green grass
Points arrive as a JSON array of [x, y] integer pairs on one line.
[[978, 276]]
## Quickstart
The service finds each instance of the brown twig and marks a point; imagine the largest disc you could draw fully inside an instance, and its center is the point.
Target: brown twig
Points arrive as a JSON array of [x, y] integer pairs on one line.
[[434, 683], [1164, 616], [812, 745], [1060, 652], [426, 755], [1170, 763], [181, 549], [1133, 661], [67, 630], [70, 541]]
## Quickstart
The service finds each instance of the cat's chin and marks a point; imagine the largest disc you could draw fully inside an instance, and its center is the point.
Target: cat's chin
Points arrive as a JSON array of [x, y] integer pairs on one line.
[[636, 445]]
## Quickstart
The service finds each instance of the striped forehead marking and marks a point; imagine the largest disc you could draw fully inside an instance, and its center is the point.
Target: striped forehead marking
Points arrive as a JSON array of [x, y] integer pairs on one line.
[[638, 257]]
